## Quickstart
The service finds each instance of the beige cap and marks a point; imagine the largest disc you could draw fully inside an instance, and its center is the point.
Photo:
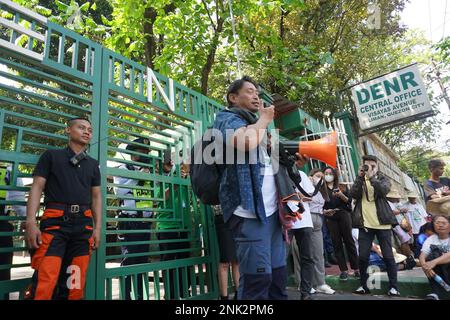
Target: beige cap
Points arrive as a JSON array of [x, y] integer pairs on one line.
[[393, 194], [412, 194], [398, 257]]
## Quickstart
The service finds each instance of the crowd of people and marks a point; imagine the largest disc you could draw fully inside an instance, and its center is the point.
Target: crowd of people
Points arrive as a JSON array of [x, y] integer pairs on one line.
[[367, 223], [353, 226]]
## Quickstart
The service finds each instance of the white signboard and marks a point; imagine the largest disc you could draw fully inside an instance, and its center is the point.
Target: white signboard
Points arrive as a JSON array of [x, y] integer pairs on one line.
[[399, 96]]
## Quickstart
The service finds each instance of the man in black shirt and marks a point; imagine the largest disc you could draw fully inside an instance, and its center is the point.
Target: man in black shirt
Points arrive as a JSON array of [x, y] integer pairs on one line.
[[437, 186], [62, 246]]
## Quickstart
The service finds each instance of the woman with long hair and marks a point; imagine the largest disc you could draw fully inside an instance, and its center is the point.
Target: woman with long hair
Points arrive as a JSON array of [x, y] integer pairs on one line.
[[316, 207], [337, 210]]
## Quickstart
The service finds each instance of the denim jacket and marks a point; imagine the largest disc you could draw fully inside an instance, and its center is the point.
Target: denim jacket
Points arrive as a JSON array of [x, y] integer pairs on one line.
[[240, 184]]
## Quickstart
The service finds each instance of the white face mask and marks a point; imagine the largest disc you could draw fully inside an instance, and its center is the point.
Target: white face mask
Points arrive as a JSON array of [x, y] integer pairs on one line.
[[329, 178]]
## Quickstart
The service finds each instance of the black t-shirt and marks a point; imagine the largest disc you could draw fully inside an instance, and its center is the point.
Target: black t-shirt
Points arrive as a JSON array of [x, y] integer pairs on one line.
[[431, 186], [67, 183], [337, 203]]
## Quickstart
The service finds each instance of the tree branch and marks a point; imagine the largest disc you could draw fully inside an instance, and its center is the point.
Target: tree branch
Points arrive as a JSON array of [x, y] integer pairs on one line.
[[150, 15], [206, 70], [209, 15]]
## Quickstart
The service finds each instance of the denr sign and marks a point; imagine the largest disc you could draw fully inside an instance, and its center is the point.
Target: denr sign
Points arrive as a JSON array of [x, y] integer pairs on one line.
[[396, 98]]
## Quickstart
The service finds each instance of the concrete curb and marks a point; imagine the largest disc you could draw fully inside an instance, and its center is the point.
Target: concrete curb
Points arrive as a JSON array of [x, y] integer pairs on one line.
[[417, 287]]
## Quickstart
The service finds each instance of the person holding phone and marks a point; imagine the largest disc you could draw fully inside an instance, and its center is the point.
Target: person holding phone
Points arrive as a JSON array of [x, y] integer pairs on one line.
[[337, 212], [374, 217]]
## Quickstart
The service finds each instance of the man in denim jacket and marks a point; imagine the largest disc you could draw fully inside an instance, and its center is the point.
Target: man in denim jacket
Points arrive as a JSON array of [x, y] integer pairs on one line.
[[248, 194]]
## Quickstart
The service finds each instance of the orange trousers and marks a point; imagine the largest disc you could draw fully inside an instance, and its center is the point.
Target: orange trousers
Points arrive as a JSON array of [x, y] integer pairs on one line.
[[62, 260]]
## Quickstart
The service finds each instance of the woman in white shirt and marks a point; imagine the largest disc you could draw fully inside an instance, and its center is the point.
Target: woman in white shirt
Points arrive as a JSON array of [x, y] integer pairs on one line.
[[302, 231], [316, 208], [417, 217], [435, 257]]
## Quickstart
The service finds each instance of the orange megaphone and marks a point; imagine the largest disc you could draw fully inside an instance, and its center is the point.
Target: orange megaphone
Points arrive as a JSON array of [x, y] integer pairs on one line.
[[324, 149]]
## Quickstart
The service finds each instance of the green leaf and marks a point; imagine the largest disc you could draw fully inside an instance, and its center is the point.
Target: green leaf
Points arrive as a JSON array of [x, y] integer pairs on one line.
[[105, 21], [43, 11], [7, 15], [94, 6], [61, 6], [21, 40], [85, 7], [133, 46]]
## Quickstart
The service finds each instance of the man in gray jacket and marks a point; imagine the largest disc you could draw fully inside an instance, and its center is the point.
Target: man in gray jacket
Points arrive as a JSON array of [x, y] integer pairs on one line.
[[373, 217]]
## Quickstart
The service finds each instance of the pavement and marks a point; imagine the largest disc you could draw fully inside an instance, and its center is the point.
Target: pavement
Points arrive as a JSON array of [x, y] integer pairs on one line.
[[412, 284], [294, 294]]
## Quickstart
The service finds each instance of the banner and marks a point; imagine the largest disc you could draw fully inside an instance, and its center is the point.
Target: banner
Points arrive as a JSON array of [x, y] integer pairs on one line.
[[395, 98]]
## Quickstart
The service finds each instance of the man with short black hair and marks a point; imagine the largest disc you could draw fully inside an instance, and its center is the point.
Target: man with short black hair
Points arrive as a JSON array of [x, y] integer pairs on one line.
[[437, 185], [237, 85], [61, 248], [373, 216], [248, 194]]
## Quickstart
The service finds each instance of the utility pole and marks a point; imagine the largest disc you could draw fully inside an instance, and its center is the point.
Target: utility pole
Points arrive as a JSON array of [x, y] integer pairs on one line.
[[441, 84]]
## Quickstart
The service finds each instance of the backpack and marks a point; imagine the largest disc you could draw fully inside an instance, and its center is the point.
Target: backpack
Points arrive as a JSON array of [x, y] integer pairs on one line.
[[205, 178]]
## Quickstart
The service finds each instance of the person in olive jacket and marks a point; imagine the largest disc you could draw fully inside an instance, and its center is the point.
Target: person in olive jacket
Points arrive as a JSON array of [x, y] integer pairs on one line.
[[373, 216]]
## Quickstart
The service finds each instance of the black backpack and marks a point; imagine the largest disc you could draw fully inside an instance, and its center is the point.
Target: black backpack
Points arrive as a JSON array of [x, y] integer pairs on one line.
[[205, 178]]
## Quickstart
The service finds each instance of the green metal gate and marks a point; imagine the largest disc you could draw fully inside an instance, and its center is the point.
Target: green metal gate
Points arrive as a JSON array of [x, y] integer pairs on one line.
[[49, 74]]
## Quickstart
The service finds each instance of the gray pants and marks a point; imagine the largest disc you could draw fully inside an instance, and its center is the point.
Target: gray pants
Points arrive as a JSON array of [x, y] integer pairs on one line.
[[318, 276]]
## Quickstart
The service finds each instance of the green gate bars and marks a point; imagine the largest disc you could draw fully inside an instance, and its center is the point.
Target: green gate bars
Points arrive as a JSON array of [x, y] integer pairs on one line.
[[49, 74]]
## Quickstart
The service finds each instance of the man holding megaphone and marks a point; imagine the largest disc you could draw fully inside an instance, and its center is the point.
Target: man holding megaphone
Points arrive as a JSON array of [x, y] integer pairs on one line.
[[248, 193]]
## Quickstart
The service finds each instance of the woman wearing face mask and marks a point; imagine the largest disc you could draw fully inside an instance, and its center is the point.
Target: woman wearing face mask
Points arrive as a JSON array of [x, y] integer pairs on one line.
[[316, 207], [307, 249], [337, 211]]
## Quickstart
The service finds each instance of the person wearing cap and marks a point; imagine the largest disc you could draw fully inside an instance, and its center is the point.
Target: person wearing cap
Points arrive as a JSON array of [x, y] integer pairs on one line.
[[62, 246], [135, 196], [416, 215], [373, 216], [401, 230], [376, 258]]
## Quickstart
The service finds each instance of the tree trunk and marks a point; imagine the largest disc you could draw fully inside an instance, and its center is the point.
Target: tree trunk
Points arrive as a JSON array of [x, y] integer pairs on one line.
[[206, 70], [150, 15]]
